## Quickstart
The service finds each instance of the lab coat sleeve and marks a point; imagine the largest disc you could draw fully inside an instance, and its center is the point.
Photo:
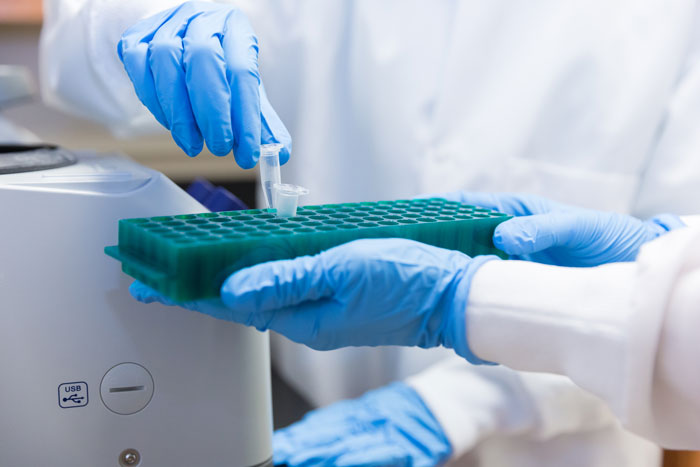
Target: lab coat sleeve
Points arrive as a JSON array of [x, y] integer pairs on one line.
[[80, 71], [474, 403], [670, 178], [691, 221], [626, 332]]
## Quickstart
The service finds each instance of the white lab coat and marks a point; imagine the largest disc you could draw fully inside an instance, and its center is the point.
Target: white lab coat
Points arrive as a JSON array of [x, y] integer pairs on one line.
[[626, 331], [589, 102]]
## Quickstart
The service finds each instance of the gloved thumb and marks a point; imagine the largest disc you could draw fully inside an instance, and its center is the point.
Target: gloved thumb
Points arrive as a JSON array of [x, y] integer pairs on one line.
[[276, 285], [530, 234], [145, 294]]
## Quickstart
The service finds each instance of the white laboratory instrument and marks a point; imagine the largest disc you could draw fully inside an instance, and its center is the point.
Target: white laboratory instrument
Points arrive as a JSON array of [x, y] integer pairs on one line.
[[16, 87], [90, 377]]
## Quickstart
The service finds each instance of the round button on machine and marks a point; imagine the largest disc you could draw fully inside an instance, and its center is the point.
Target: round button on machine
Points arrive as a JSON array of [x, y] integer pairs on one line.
[[126, 388]]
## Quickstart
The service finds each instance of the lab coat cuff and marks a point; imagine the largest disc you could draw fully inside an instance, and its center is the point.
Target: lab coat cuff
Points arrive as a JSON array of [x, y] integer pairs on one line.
[[466, 417], [691, 221], [542, 318], [456, 337], [668, 222]]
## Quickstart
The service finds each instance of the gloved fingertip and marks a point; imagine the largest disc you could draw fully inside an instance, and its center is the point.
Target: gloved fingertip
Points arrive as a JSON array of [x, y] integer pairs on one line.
[[285, 153], [219, 150], [281, 136], [246, 161], [510, 238], [142, 292], [190, 149], [254, 155], [219, 143]]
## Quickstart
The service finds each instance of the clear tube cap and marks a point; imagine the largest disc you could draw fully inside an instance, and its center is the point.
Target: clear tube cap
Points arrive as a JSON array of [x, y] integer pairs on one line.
[[272, 149], [286, 198]]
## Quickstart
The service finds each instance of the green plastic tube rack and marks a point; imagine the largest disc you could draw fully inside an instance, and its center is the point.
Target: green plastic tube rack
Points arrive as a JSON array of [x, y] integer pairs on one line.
[[187, 257]]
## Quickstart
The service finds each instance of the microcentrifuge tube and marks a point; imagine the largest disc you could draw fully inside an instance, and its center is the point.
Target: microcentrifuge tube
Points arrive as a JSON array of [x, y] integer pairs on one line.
[[269, 170], [287, 198]]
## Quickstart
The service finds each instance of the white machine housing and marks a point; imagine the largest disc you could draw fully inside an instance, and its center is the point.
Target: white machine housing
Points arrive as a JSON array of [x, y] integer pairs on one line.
[[66, 318]]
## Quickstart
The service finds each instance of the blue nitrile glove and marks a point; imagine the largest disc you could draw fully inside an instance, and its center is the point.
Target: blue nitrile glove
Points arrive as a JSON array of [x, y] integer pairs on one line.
[[195, 67], [387, 427], [553, 233], [363, 293]]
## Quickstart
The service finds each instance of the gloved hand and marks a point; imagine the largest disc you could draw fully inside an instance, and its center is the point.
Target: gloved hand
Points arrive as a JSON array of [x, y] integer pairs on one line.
[[195, 67], [553, 233], [387, 427], [366, 292]]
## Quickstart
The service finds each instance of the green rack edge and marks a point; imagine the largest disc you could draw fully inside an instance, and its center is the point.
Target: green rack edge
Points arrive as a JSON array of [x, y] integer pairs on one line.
[[187, 257]]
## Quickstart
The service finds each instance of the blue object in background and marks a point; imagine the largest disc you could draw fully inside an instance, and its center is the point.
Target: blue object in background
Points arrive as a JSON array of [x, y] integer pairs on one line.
[[214, 198], [200, 188], [223, 200]]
